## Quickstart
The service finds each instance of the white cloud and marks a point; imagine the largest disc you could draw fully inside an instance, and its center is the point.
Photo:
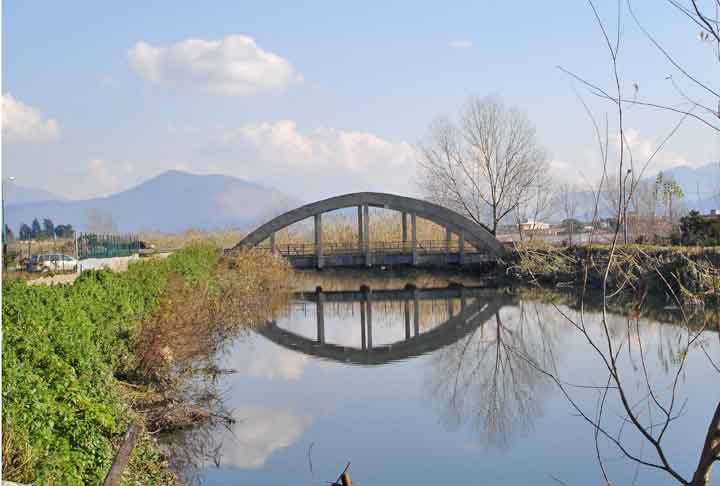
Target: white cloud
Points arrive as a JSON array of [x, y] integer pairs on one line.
[[644, 148], [258, 432], [24, 124], [323, 147], [233, 66], [460, 44]]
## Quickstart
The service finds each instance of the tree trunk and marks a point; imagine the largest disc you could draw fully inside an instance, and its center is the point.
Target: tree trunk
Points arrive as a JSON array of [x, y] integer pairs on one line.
[[710, 452]]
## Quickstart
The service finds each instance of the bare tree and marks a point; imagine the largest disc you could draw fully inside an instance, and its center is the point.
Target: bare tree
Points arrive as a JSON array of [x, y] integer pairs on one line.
[[567, 203], [99, 222], [484, 166], [660, 405]]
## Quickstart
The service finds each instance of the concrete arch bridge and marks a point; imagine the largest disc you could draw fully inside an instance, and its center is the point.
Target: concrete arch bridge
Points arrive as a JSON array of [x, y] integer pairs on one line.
[[474, 243]]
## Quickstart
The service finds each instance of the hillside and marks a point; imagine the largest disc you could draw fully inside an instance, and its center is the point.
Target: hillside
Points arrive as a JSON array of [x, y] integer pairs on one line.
[[171, 202]]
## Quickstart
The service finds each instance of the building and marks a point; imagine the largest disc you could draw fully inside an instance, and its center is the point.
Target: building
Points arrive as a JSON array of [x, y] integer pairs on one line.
[[533, 225]]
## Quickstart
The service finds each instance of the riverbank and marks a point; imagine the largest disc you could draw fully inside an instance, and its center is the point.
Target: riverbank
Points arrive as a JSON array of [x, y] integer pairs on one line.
[[669, 275], [83, 361]]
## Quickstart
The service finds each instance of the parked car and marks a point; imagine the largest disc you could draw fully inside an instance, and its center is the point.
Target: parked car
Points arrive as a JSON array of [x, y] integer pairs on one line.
[[55, 262]]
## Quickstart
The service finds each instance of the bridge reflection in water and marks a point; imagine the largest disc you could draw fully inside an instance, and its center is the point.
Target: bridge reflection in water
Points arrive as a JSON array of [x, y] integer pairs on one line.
[[461, 310]]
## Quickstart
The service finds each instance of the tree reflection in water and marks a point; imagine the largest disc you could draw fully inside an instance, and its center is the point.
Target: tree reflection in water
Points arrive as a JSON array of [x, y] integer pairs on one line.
[[489, 378]]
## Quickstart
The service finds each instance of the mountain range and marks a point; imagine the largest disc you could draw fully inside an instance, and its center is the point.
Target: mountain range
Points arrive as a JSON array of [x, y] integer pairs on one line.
[[173, 201]]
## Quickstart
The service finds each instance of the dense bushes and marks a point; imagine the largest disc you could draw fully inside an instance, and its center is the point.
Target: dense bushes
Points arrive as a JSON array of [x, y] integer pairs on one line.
[[61, 347], [697, 230]]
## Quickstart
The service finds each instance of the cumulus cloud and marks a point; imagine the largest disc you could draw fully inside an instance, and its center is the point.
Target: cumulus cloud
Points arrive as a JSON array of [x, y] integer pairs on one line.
[[233, 66], [642, 150], [24, 124], [460, 44], [258, 432], [322, 147]]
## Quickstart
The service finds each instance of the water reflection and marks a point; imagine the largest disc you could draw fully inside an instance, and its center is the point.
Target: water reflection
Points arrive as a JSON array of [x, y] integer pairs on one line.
[[447, 374], [429, 319], [490, 377]]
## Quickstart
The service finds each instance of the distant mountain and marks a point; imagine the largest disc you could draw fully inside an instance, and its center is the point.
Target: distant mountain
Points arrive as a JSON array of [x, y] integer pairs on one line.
[[701, 185], [171, 202], [15, 194]]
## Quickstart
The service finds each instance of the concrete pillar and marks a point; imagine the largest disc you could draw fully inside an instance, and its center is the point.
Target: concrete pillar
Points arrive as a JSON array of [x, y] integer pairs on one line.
[[406, 313], [404, 229], [360, 228], [320, 307], [366, 234], [413, 224], [273, 248], [463, 300], [318, 241], [448, 238], [450, 308], [369, 321], [462, 247], [362, 324], [416, 312]]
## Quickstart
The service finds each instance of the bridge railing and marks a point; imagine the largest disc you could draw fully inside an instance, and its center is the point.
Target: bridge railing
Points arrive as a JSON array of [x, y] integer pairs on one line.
[[375, 247]]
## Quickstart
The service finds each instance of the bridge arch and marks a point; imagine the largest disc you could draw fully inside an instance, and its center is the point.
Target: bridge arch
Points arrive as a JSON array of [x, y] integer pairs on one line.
[[467, 229]]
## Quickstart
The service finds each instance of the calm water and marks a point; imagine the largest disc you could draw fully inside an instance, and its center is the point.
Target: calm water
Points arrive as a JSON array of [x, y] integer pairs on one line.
[[433, 385]]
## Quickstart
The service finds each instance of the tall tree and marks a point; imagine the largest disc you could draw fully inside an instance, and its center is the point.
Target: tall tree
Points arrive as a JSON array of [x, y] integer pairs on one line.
[[36, 229], [25, 232], [48, 228], [484, 165]]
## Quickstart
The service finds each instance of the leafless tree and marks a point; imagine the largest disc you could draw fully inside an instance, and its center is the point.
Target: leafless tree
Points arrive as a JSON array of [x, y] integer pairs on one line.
[[99, 222], [567, 203], [651, 417], [484, 166]]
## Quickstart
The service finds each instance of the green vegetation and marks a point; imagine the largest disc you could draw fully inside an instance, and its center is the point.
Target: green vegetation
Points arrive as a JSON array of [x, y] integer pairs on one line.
[[63, 407], [697, 230]]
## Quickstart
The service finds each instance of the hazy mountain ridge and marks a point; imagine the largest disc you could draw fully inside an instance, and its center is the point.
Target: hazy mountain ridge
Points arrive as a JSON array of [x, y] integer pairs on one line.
[[171, 202], [17, 194]]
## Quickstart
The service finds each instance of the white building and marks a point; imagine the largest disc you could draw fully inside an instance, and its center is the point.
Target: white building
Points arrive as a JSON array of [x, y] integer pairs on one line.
[[533, 225]]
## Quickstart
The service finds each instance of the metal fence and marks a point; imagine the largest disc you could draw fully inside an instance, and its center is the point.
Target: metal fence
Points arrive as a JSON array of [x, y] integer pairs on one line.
[[94, 245]]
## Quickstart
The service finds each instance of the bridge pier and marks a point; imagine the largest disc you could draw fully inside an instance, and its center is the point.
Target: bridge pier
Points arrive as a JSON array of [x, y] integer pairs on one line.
[[273, 248], [413, 223], [448, 238], [360, 228], [461, 259], [404, 230], [318, 241], [368, 302], [366, 235], [406, 313], [363, 338]]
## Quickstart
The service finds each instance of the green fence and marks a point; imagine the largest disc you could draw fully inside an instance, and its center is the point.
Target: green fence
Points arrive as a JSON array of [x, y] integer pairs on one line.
[[93, 245]]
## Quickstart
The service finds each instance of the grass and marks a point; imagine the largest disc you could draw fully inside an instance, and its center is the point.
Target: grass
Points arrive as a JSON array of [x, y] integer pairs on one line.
[[66, 347]]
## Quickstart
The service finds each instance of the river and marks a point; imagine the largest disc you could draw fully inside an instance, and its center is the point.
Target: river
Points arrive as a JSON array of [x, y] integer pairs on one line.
[[430, 383]]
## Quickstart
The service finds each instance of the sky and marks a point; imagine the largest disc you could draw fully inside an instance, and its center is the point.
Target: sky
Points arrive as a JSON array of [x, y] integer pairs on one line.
[[322, 98]]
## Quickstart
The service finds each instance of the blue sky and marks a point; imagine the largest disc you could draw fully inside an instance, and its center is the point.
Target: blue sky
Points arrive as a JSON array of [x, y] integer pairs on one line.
[[339, 97]]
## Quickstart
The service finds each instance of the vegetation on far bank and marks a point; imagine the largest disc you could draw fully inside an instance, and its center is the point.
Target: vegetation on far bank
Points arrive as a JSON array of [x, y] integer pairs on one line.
[[71, 354]]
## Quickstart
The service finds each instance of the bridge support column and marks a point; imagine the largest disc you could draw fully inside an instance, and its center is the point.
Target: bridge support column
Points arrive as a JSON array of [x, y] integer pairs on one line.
[[273, 248], [320, 307], [463, 300], [366, 235], [462, 248], [448, 238], [318, 241], [361, 240], [450, 308], [404, 230], [413, 224]]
